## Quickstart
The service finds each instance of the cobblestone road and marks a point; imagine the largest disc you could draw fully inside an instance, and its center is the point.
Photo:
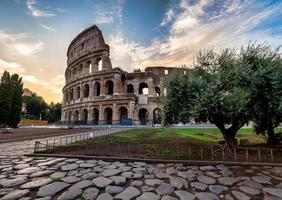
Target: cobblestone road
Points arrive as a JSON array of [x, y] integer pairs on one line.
[[65, 178], [27, 146]]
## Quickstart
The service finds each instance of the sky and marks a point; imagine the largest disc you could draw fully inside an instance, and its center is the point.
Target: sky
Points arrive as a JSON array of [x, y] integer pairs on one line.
[[35, 34]]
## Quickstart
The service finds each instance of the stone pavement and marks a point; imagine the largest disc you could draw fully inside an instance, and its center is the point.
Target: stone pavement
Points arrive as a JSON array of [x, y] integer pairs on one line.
[[66, 178]]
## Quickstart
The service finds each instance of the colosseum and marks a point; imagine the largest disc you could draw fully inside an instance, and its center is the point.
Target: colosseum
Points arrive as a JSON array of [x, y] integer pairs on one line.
[[96, 93]]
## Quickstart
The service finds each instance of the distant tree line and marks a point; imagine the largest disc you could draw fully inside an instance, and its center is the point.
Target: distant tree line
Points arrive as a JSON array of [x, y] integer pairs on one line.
[[228, 88], [35, 107], [11, 90]]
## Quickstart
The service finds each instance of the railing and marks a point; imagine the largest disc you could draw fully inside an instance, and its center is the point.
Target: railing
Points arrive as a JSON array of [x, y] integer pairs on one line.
[[104, 123], [65, 140], [174, 152]]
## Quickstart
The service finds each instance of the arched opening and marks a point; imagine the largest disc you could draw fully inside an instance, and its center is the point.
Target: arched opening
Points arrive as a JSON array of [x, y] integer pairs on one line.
[[86, 91], [71, 94], [143, 89], [76, 116], [69, 116], [78, 92], [66, 96], [84, 116], [130, 88], [109, 87], [80, 70], [97, 88], [123, 114], [157, 116], [108, 115], [158, 91], [95, 116], [99, 63], [143, 116]]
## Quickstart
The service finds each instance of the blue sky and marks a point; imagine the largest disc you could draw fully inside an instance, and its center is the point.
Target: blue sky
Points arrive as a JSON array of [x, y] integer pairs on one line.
[[34, 34]]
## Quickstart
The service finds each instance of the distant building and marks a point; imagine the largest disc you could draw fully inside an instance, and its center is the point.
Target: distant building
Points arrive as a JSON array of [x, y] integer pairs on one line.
[[27, 92], [95, 93]]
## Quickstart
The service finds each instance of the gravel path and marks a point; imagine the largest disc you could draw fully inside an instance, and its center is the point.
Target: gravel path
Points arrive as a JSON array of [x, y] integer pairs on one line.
[[27, 146], [66, 178]]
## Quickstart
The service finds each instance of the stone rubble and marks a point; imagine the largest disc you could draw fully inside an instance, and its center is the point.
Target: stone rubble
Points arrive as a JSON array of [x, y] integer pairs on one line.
[[43, 178]]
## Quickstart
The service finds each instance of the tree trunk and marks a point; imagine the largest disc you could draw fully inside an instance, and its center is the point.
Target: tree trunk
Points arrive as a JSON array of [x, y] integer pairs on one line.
[[272, 139], [229, 137]]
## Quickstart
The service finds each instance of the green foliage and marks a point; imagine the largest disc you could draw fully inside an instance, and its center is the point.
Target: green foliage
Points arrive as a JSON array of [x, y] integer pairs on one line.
[[36, 106], [11, 89], [54, 114]]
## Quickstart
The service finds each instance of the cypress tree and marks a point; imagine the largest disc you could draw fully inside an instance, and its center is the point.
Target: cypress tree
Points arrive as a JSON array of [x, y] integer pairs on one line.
[[5, 98]]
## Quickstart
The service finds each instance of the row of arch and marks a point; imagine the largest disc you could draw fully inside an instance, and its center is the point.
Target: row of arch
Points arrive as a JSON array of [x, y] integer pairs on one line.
[[108, 116], [75, 93], [84, 69]]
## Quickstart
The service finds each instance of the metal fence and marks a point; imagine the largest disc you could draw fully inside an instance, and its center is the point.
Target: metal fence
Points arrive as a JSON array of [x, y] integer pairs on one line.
[[65, 140]]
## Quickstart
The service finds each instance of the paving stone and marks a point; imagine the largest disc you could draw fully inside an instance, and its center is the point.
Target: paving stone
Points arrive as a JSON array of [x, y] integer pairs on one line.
[[21, 166], [15, 194], [69, 167], [92, 161], [82, 184], [252, 184], [279, 185], [199, 186], [249, 190], [167, 197], [28, 170], [36, 183], [240, 195], [111, 172], [178, 182], [129, 193], [153, 182], [118, 180], [113, 189], [228, 180], [213, 174], [206, 179], [71, 193], [171, 170], [206, 196], [186, 174], [102, 182], [51, 162], [228, 197], [137, 183], [87, 165], [184, 195], [147, 188], [208, 168], [90, 193], [149, 196], [105, 196], [273, 191], [51, 189], [89, 176], [162, 175], [12, 182], [164, 189], [41, 173], [262, 179], [70, 179], [58, 175], [217, 189]]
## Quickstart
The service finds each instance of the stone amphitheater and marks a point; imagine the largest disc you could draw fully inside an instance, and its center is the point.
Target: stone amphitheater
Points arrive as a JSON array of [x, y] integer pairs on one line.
[[96, 93]]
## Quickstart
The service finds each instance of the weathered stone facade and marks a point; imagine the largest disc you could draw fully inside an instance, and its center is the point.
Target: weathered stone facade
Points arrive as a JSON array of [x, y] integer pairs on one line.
[[95, 93]]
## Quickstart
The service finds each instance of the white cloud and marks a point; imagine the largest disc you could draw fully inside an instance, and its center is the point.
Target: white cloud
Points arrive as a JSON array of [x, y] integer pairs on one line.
[[10, 67], [17, 44], [38, 12], [168, 17], [108, 11], [49, 28], [194, 28]]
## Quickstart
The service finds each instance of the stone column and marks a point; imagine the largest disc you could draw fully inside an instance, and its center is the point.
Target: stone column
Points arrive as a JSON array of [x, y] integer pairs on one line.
[[89, 115], [115, 113], [130, 111], [103, 87], [101, 114], [116, 82], [151, 88]]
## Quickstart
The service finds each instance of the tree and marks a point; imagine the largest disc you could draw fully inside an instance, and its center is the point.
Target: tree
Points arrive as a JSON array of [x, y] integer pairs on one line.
[[54, 114], [17, 91], [263, 72], [35, 106], [11, 89], [5, 98], [212, 92]]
